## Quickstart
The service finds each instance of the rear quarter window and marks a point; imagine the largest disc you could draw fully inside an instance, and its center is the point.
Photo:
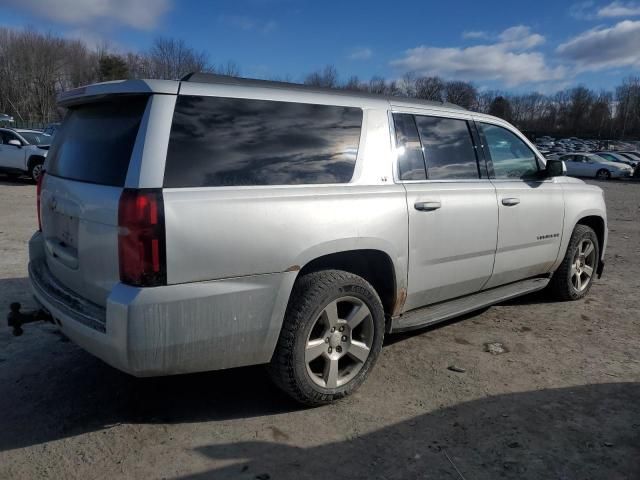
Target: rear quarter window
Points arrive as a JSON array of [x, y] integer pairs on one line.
[[96, 140], [234, 142]]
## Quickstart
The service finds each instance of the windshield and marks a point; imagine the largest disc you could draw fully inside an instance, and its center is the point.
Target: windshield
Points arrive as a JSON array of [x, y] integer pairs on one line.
[[36, 138]]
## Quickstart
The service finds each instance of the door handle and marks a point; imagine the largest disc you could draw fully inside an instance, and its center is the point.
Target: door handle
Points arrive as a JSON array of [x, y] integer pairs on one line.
[[427, 206], [510, 202]]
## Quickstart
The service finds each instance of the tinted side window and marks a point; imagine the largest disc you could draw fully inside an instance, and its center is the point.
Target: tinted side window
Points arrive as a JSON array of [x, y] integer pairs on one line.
[[410, 159], [511, 157], [230, 141], [448, 148]]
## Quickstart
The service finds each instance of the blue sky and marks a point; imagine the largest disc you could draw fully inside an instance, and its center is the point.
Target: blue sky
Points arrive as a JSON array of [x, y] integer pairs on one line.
[[514, 46]]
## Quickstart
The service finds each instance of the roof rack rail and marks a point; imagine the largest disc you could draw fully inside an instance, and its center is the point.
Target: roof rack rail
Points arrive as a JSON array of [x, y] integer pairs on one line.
[[214, 78]]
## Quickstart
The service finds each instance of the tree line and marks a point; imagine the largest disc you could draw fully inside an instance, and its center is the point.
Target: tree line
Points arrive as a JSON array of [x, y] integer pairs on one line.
[[35, 67]]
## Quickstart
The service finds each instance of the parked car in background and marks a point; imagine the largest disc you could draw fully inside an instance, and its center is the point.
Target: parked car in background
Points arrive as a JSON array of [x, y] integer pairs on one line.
[[617, 158], [595, 166], [5, 119], [633, 156], [23, 151], [51, 129]]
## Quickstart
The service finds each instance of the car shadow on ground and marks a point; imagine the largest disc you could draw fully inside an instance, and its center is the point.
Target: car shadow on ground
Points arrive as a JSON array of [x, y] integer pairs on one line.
[[7, 180], [590, 431], [52, 389]]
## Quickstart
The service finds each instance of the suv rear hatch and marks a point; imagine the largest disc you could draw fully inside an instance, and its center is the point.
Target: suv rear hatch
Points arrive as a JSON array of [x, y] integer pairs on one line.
[[86, 172]]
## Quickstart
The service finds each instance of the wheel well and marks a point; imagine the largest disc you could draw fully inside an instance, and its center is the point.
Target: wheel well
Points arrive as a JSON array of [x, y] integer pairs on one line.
[[597, 224], [33, 159], [374, 266]]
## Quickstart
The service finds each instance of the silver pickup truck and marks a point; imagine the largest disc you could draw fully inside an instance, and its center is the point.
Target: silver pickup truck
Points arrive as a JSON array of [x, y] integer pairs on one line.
[[213, 222]]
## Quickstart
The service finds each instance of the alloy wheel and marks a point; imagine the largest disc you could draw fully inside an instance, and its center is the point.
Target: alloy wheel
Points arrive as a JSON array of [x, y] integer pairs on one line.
[[339, 342], [583, 265]]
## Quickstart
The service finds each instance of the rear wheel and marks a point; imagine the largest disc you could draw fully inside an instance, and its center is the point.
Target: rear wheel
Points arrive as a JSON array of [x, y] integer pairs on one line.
[[331, 337], [574, 277], [603, 174]]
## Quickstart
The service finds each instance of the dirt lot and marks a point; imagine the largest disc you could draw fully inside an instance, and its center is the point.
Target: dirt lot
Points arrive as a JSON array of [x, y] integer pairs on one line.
[[562, 403]]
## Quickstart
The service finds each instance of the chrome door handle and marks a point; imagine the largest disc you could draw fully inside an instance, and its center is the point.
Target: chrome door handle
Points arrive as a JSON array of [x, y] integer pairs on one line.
[[427, 206], [510, 202]]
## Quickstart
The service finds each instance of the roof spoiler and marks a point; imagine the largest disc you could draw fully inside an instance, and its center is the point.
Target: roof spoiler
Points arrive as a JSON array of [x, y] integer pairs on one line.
[[96, 91]]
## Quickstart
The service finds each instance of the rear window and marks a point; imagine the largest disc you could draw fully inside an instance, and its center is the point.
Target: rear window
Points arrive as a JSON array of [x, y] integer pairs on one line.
[[234, 142], [95, 141]]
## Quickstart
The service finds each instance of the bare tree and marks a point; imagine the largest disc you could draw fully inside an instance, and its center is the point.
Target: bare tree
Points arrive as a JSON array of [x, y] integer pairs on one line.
[[230, 69], [461, 93], [407, 84], [327, 78], [378, 85], [501, 107], [355, 85], [430, 88], [171, 59]]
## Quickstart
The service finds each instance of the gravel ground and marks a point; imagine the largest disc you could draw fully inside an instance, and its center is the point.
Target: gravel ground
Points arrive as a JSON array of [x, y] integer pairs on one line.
[[561, 403]]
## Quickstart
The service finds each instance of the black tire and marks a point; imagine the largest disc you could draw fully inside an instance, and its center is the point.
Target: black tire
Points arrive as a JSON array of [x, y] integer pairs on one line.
[[603, 174], [35, 169], [561, 286], [311, 294]]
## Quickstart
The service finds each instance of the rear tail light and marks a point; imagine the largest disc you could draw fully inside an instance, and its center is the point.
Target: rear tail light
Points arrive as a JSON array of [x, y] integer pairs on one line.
[[38, 192], [141, 238]]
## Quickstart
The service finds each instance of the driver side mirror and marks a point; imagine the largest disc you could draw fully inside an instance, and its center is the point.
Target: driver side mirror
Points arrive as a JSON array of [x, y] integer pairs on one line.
[[15, 143], [555, 168]]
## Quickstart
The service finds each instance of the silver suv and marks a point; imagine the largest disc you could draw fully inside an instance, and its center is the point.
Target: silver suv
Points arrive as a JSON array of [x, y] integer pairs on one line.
[[213, 222], [23, 151]]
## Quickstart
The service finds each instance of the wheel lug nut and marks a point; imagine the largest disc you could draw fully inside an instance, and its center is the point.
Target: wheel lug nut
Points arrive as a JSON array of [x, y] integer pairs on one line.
[[339, 349], [326, 340], [333, 329], [341, 329], [330, 350], [344, 338]]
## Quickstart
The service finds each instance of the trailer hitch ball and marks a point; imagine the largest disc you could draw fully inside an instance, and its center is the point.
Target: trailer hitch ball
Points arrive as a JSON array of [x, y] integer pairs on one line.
[[16, 318]]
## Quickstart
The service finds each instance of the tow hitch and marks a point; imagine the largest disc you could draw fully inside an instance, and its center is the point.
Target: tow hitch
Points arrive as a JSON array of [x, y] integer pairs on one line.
[[16, 318]]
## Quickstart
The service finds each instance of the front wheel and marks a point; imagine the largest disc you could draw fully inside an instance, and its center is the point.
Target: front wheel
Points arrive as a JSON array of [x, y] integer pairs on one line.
[[36, 170], [331, 337], [573, 279], [603, 174]]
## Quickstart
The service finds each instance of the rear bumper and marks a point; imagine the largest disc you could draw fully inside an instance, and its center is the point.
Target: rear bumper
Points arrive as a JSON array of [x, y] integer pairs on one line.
[[171, 329]]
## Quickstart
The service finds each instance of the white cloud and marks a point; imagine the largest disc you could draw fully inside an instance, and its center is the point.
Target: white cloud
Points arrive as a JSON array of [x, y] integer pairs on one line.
[[509, 60], [243, 22], [140, 14], [520, 37], [475, 34], [600, 48], [619, 9], [360, 53]]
